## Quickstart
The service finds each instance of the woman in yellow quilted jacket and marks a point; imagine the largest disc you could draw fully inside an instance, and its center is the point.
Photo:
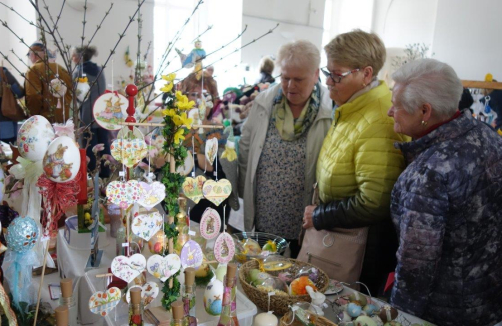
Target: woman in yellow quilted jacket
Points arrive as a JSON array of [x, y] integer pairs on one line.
[[358, 164]]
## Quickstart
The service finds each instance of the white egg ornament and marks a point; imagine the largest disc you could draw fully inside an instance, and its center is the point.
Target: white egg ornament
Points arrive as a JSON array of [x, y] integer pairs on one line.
[[62, 160], [34, 138], [364, 321], [265, 319], [213, 296]]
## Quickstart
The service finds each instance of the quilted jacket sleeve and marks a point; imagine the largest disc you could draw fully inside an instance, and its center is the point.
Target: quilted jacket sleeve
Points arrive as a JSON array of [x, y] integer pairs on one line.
[[377, 166], [420, 211]]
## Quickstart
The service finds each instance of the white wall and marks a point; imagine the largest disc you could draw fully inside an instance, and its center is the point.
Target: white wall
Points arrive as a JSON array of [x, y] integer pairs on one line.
[[299, 19], [22, 28], [467, 36], [106, 38]]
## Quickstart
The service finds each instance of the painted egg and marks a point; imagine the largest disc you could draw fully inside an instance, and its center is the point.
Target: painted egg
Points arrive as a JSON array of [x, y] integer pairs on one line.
[[210, 224], [62, 160], [266, 319], [191, 255], [354, 310], [378, 321], [358, 298], [213, 296], [224, 248], [34, 138], [364, 321], [388, 313], [370, 309], [22, 234], [344, 316], [393, 323]]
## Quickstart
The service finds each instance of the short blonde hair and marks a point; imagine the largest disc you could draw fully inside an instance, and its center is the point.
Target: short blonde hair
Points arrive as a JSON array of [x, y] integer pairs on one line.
[[267, 65], [357, 49], [299, 53]]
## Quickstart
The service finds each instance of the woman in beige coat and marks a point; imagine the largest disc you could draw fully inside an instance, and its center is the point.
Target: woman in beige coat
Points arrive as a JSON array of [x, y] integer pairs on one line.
[[280, 144]]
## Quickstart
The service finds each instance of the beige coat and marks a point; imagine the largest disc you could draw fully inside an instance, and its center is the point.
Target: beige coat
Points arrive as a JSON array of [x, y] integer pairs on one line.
[[251, 143]]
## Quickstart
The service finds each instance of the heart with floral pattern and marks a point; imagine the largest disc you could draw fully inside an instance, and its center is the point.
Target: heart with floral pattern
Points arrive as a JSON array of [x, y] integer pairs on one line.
[[146, 225], [101, 303], [163, 267], [128, 268], [128, 151], [124, 194], [192, 188]]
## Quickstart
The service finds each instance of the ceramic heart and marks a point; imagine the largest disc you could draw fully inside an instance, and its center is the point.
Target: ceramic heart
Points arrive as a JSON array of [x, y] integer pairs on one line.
[[146, 225], [128, 151], [217, 191], [128, 268], [153, 193], [192, 188], [163, 267], [149, 292], [102, 302], [224, 248], [211, 149], [123, 194], [210, 224], [191, 255]]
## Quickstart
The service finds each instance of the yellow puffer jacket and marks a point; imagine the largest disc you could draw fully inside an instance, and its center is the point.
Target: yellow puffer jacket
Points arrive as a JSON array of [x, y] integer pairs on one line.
[[358, 158]]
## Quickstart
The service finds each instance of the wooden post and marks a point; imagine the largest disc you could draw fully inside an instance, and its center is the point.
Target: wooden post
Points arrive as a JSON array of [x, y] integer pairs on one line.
[[170, 218]]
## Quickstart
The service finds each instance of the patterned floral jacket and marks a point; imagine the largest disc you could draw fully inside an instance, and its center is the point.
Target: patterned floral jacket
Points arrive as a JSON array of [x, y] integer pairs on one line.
[[447, 207]]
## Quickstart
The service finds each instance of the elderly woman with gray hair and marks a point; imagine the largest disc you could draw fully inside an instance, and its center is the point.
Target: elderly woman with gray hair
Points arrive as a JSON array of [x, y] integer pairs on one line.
[[447, 204], [280, 143]]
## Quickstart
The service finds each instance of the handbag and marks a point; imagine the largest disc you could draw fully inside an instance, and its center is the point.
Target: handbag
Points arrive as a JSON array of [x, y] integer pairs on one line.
[[10, 107], [338, 252]]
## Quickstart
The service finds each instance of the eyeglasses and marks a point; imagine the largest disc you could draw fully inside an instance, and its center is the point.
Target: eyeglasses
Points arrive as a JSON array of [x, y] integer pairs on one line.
[[337, 78]]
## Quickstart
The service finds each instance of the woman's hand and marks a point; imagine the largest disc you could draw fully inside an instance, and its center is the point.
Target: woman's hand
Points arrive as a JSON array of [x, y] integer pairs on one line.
[[307, 217]]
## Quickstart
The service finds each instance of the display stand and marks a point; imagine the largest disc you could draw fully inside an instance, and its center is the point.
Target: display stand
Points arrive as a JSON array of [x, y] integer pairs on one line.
[[481, 84]]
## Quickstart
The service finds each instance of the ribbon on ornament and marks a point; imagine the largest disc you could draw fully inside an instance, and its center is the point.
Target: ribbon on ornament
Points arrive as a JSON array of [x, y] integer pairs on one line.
[[58, 196], [18, 268], [65, 129], [32, 199]]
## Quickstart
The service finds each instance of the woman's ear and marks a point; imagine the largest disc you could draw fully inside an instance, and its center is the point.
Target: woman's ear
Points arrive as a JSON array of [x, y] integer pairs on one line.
[[426, 112], [368, 74]]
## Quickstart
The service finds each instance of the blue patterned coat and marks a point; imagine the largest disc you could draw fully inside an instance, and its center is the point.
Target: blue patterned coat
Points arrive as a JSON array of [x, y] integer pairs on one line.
[[447, 208]]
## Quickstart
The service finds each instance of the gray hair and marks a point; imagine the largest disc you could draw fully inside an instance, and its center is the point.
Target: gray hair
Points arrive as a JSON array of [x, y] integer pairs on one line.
[[429, 81], [299, 53]]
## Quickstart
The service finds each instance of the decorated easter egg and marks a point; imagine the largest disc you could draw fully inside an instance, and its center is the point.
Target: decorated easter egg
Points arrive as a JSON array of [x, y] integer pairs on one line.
[[364, 321], [22, 234], [354, 310], [34, 138], [388, 313], [213, 296], [358, 298], [62, 160], [393, 323], [378, 321], [344, 316], [370, 309]]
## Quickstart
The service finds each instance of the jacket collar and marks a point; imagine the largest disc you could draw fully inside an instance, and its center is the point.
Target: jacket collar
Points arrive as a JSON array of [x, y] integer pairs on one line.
[[265, 101], [369, 96], [453, 129]]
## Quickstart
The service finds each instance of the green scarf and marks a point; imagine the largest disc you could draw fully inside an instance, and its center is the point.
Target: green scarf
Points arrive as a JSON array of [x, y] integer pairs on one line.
[[288, 127]]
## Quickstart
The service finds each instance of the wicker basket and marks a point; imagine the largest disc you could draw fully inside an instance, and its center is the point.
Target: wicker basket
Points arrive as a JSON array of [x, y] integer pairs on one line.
[[320, 321], [279, 304]]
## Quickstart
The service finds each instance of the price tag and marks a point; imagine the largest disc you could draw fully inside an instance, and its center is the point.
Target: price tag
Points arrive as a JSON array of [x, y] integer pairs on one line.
[[191, 232], [54, 291], [125, 244], [121, 173]]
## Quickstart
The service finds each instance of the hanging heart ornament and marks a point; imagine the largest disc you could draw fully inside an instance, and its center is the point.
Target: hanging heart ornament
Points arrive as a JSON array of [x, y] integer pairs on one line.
[[217, 191], [163, 267], [129, 151], [149, 292], [128, 268], [211, 150], [124, 194], [146, 225], [101, 303], [192, 188], [152, 194]]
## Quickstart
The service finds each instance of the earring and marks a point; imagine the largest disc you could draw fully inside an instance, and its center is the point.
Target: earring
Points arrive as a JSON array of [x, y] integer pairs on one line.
[[364, 84], [424, 123]]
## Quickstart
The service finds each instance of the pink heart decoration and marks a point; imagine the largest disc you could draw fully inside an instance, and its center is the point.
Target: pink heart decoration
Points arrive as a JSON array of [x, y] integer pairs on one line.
[[128, 268], [102, 302], [123, 194], [153, 193]]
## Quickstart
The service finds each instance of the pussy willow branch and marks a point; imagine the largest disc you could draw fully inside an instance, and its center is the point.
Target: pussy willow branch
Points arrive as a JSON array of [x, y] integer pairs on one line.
[[83, 25], [207, 30], [137, 70], [54, 27]]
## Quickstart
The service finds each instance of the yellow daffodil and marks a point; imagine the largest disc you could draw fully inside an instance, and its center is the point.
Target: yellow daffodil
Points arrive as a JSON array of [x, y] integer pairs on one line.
[[183, 120], [169, 78], [167, 87], [169, 112], [178, 136]]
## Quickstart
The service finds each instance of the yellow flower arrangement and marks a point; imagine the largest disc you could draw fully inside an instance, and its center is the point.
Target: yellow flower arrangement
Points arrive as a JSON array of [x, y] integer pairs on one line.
[[178, 136], [183, 120], [169, 85], [182, 102], [169, 112]]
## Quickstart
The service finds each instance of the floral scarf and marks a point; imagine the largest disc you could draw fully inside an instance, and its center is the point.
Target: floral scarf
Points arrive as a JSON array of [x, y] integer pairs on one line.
[[289, 128]]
